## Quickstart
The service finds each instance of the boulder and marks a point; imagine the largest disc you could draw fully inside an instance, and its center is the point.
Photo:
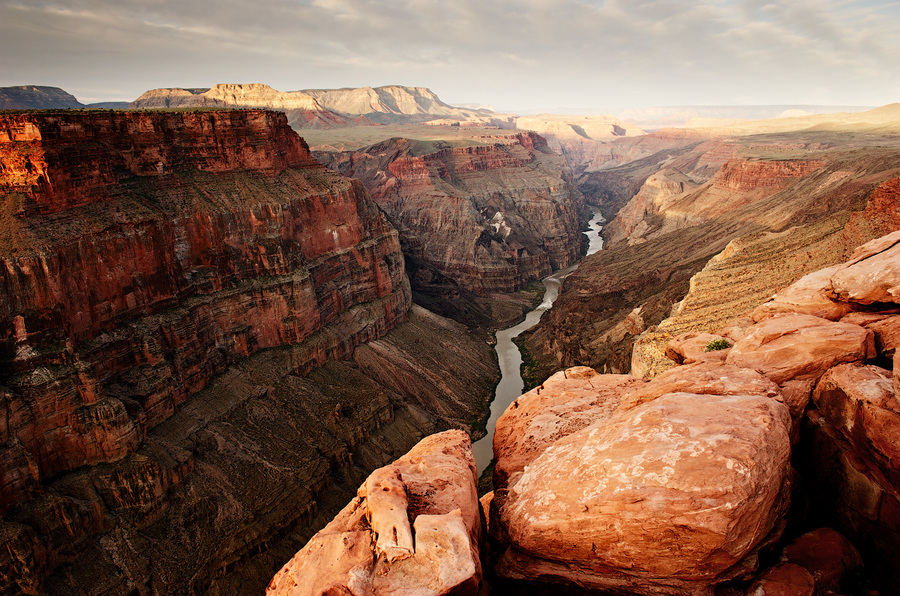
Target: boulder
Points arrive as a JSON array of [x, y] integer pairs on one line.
[[692, 347], [797, 346], [784, 579], [872, 274], [885, 325], [859, 401], [808, 295], [372, 549], [566, 402], [704, 379], [826, 554], [668, 497]]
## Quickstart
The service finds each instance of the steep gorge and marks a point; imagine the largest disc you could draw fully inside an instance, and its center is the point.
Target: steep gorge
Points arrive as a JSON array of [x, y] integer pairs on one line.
[[201, 330], [476, 217]]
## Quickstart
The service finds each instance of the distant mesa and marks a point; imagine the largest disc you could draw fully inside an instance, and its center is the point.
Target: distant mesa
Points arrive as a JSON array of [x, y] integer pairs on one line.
[[323, 108], [34, 97], [37, 97], [302, 109]]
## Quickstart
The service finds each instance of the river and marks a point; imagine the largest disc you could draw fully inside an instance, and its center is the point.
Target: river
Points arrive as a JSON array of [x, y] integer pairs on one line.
[[508, 355]]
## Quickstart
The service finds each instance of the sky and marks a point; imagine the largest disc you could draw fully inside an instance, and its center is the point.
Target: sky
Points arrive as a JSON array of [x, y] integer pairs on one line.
[[517, 56]]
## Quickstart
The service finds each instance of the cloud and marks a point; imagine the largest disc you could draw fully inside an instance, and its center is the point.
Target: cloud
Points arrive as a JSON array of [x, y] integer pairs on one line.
[[518, 53]]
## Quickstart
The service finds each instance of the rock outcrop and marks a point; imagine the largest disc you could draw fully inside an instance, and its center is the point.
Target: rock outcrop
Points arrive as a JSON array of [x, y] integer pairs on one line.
[[675, 485], [176, 287], [683, 485], [415, 527], [491, 215]]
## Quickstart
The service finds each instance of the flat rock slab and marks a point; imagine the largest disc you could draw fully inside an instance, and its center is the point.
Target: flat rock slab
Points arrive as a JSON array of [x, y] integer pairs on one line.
[[796, 346], [872, 274], [677, 490], [709, 378]]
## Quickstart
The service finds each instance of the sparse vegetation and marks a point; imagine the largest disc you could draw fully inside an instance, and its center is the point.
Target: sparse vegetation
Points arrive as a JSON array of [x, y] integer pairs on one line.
[[717, 344]]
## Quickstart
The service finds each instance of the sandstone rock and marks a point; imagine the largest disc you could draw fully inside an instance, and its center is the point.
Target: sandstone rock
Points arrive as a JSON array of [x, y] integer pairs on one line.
[[860, 402], [386, 507], [885, 325], [797, 346], [566, 402], [785, 579], [434, 484], [690, 347], [872, 274], [708, 378], [826, 554], [670, 495], [796, 394], [809, 295]]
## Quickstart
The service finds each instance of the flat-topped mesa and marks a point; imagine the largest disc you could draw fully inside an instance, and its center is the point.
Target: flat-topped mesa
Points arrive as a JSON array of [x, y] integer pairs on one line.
[[491, 215], [142, 254], [59, 160]]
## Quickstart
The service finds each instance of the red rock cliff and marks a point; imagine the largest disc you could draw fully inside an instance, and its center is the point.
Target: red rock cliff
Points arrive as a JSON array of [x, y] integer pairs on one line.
[[141, 255], [491, 216]]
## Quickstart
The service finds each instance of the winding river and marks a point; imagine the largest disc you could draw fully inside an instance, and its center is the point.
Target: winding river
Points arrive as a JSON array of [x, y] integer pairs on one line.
[[508, 355]]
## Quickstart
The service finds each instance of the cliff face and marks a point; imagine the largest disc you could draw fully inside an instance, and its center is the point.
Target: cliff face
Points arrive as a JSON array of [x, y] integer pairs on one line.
[[168, 279], [788, 198], [491, 216], [302, 109]]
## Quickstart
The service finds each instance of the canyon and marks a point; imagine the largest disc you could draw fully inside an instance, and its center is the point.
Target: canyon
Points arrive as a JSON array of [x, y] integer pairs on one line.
[[714, 225], [208, 341], [479, 216], [742, 470]]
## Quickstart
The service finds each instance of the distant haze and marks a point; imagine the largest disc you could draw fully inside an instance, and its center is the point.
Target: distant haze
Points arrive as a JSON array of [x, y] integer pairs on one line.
[[516, 55]]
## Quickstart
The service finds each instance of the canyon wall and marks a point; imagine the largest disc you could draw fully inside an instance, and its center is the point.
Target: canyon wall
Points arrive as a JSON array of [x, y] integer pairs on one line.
[[788, 198], [491, 214], [176, 289]]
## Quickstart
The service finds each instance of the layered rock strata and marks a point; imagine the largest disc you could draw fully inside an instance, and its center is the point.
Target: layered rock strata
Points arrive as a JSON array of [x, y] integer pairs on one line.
[[491, 216], [415, 527], [175, 288]]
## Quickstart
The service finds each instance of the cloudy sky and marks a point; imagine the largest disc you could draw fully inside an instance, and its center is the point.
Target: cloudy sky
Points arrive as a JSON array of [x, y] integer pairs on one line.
[[516, 55]]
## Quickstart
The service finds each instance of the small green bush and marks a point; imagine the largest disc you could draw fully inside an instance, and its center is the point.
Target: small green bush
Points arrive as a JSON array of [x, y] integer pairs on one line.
[[717, 344]]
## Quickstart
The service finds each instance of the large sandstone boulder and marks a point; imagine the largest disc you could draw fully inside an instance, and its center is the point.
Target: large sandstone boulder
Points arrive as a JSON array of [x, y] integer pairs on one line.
[[872, 274], [859, 402], [711, 378], [798, 346], [372, 549], [665, 498], [566, 402], [809, 295]]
